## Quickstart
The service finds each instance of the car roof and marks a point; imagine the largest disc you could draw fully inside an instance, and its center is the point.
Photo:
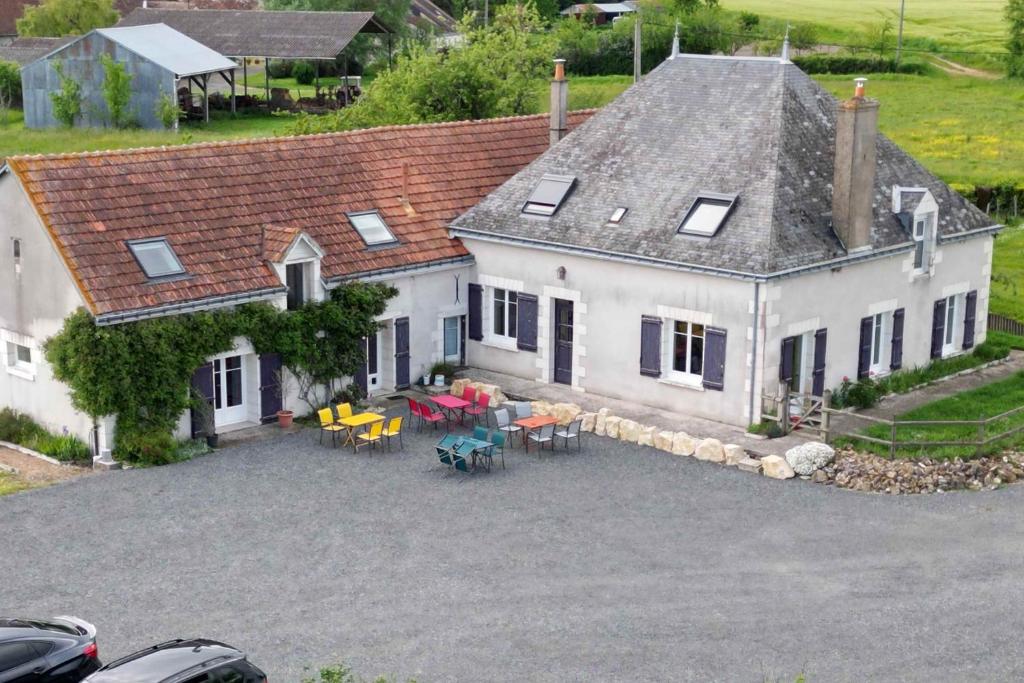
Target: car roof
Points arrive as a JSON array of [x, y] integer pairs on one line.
[[11, 629], [164, 661]]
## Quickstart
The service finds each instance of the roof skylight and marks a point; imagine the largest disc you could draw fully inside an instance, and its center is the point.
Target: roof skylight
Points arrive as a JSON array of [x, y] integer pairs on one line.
[[156, 257], [371, 227], [618, 214], [549, 194], [707, 214]]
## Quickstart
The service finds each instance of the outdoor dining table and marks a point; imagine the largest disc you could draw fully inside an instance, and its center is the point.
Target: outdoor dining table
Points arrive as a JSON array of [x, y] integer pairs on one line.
[[450, 405], [535, 422], [352, 423], [478, 446]]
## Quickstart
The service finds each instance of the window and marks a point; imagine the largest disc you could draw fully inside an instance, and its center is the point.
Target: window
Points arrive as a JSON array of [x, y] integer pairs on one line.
[[295, 278], [948, 345], [451, 338], [707, 214], [879, 323], [17, 250], [13, 655], [19, 358], [688, 348], [505, 309], [549, 194], [618, 215], [156, 258], [372, 228], [922, 237]]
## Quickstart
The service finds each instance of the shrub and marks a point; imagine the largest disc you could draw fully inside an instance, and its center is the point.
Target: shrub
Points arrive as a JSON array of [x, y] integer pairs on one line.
[[67, 447], [856, 64], [67, 102], [353, 394], [21, 429], [167, 110], [446, 369], [17, 427], [146, 447], [117, 91], [280, 69], [304, 73], [10, 83]]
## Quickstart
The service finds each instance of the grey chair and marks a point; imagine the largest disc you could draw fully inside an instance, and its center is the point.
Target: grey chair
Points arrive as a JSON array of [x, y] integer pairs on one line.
[[505, 425], [571, 431], [523, 409], [545, 435]]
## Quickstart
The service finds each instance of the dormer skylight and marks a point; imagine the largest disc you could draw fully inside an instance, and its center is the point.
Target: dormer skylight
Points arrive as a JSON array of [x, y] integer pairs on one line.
[[156, 258], [707, 214], [549, 194], [372, 228], [617, 215]]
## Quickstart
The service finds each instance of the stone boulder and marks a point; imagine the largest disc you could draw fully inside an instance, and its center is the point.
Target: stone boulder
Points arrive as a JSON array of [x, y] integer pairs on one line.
[[646, 435], [492, 390], [629, 431], [541, 407], [806, 458], [663, 441], [459, 386], [777, 468], [601, 421], [565, 412], [733, 454], [683, 444], [589, 422], [611, 426], [749, 465], [710, 450]]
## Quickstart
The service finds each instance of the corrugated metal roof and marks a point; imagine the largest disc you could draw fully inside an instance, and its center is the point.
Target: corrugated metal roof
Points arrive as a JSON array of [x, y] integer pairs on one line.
[[264, 33], [603, 7], [171, 49]]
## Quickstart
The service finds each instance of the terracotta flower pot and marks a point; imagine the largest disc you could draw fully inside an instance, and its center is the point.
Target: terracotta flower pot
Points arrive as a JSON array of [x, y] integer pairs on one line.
[[284, 418]]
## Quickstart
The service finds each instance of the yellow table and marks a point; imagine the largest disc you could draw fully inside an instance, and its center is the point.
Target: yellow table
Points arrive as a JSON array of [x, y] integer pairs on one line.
[[354, 422]]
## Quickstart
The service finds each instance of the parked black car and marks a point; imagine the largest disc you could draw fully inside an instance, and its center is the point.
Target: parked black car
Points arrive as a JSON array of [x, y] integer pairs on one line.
[[181, 661], [58, 650]]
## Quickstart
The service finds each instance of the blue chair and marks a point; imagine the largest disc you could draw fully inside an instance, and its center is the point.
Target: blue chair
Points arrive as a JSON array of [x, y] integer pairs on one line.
[[480, 433], [446, 443], [498, 439], [460, 453]]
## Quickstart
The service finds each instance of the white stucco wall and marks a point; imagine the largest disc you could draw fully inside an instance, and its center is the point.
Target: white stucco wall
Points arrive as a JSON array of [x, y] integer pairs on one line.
[[33, 305]]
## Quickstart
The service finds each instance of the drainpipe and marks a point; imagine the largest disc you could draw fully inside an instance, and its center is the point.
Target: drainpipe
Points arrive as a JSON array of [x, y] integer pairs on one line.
[[753, 352]]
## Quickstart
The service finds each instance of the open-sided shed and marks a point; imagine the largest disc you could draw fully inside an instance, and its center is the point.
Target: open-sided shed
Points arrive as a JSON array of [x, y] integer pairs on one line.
[[155, 56]]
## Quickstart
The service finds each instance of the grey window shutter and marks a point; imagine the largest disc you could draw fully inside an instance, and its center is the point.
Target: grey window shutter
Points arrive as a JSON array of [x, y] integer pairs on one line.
[[864, 348], [476, 312], [818, 373], [202, 383], [650, 346], [938, 327], [896, 355], [526, 322], [714, 358], [786, 360], [969, 316]]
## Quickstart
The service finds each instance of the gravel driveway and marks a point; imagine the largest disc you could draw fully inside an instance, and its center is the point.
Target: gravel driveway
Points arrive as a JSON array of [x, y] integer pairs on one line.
[[620, 564]]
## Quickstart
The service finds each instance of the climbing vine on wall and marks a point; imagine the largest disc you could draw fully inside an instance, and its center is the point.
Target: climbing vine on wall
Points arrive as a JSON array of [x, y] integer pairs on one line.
[[140, 372]]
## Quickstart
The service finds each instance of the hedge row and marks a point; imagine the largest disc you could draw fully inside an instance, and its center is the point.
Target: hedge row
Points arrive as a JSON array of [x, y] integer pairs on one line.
[[858, 64]]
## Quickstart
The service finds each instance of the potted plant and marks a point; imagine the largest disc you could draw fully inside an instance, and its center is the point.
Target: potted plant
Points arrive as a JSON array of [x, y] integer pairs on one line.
[[204, 413], [284, 383]]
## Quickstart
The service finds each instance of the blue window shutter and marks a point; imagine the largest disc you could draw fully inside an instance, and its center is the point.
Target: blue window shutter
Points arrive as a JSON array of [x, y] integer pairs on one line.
[[864, 348], [969, 316], [360, 378], [476, 312], [896, 355], [526, 322], [714, 358], [818, 373], [270, 386], [938, 327], [402, 356], [786, 360], [650, 346], [202, 383]]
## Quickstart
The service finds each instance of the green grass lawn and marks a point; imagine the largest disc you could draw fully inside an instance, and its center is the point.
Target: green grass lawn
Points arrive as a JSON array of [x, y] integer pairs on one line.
[[587, 92], [983, 402], [257, 82], [1007, 293], [9, 483]]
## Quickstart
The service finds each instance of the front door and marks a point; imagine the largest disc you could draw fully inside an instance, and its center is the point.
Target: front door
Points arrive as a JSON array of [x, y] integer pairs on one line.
[[563, 341], [452, 340], [228, 390]]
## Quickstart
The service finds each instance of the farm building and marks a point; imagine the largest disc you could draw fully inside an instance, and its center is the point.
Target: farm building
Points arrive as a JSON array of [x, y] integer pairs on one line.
[[157, 58], [604, 13]]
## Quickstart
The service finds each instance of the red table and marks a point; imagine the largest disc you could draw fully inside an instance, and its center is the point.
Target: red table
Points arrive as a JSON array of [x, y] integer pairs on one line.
[[449, 405]]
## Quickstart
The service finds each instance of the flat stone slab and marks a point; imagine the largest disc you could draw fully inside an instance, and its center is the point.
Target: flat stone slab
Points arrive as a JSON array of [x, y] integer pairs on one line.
[[749, 465]]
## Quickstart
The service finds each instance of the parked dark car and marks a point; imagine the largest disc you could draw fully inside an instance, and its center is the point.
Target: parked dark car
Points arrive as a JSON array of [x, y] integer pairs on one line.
[[58, 650], [182, 661]]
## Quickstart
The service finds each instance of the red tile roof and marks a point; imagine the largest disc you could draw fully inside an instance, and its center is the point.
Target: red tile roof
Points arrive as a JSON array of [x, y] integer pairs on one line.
[[213, 201]]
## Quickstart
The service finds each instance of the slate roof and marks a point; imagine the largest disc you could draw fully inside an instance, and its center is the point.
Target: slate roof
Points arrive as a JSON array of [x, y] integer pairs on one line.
[[256, 33], [26, 50], [213, 201], [169, 49], [755, 127]]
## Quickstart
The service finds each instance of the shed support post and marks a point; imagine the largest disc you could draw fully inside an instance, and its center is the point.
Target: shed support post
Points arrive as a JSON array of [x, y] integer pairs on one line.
[[317, 77], [784, 407], [266, 69], [390, 61], [826, 416], [206, 98], [245, 76], [231, 77]]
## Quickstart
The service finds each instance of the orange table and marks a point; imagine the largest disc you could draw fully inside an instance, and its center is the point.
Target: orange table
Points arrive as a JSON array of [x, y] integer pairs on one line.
[[535, 422]]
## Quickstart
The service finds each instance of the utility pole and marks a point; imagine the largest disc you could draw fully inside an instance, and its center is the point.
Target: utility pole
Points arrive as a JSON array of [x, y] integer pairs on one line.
[[636, 48], [899, 37], [486, 11]]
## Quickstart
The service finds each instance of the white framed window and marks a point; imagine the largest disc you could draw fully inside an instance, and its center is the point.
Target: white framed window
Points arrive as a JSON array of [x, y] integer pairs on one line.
[[505, 305], [299, 280], [156, 258], [20, 355], [707, 214], [881, 330], [924, 238], [372, 228], [687, 346], [949, 333]]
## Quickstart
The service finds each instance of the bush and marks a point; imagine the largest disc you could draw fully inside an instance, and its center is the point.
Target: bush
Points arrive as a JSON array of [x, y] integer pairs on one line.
[[10, 84], [304, 73], [353, 394], [146, 448], [21, 429], [18, 428], [855, 64], [280, 68]]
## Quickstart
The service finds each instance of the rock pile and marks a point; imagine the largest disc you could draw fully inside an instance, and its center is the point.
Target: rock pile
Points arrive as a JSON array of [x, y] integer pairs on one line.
[[868, 472]]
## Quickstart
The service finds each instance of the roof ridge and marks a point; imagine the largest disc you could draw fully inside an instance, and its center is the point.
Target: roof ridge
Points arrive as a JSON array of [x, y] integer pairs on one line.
[[127, 151], [769, 255]]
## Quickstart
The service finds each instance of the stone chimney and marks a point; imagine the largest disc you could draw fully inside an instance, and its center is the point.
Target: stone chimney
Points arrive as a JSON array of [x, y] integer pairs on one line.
[[559, 103], [853, 186]]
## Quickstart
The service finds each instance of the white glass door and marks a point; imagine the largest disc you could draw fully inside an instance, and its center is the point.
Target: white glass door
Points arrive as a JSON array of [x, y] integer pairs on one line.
[[452, 343], [228, 390]]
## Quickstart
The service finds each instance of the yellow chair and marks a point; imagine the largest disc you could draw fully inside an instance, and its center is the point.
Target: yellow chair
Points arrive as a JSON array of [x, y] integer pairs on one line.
[[374, 435], [394, 429], [344, 410], [327, 425]]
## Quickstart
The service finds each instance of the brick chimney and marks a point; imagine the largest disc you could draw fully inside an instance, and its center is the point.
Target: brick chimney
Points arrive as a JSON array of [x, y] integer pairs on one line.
[[853, 185], [559, 103]]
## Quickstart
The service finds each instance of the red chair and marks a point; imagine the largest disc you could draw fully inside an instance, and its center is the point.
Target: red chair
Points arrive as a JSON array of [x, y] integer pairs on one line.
[[414, 412], [469, 394], [428, 415], [479, 409]]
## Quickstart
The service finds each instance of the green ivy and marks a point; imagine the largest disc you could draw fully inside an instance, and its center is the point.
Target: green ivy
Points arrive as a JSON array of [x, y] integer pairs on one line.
[[141, 371], [67, 102]]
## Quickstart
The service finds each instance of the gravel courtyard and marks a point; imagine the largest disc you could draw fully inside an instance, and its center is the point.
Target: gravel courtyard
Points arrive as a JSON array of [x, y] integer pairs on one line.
[[618, 564]]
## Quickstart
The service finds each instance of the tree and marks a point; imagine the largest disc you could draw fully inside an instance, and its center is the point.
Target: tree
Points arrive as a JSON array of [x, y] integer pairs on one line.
[[66, 17], [1015, 44], [117, 90], [67, 102]]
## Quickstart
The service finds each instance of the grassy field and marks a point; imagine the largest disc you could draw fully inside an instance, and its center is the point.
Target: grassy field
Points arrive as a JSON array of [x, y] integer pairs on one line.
[[957, 24], [10, 483], [1007, 293], [983, 402]]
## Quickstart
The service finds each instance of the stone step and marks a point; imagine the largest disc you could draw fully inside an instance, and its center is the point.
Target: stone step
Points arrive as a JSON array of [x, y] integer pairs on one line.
[[749, 465]]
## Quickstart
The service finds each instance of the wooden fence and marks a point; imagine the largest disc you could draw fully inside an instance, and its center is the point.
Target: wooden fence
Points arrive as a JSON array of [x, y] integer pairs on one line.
[[1003, 324]]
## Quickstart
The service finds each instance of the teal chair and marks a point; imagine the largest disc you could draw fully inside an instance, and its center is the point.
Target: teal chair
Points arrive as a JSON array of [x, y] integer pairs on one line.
[[480, 433], [461, 452], [498, 439]]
